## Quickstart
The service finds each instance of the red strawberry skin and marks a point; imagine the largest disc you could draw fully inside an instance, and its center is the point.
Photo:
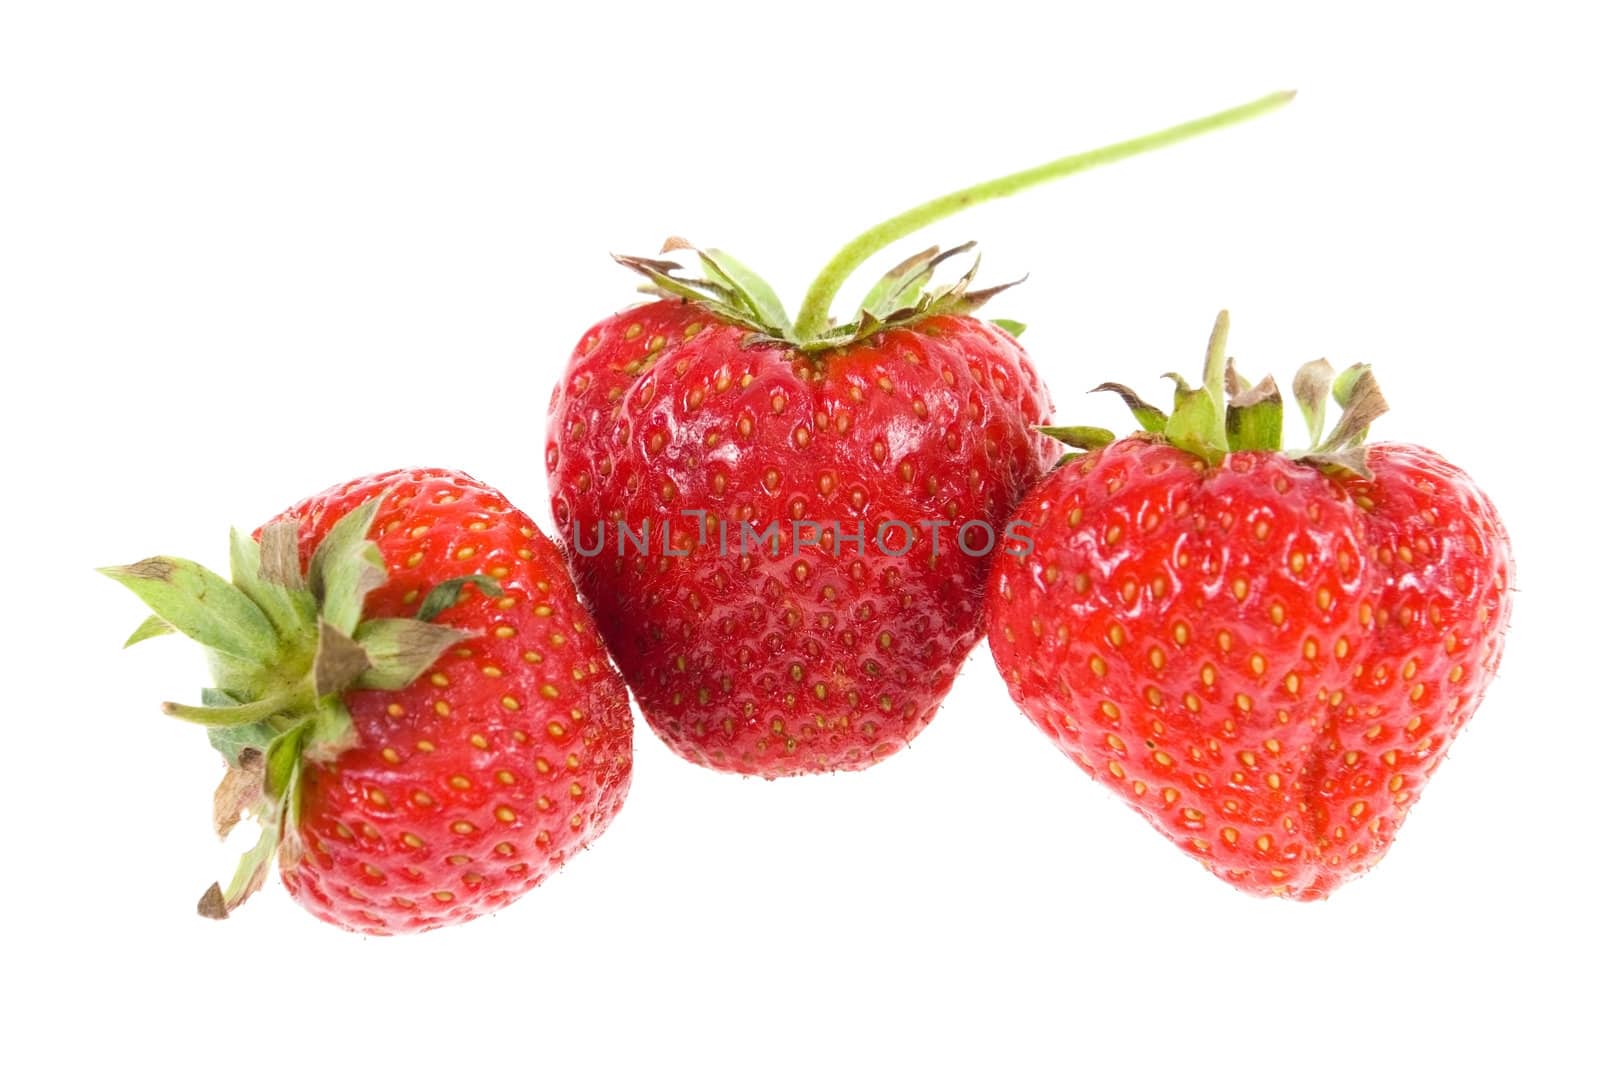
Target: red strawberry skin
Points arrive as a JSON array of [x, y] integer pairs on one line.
[[828, 657], [1266, 661], [467, 788]]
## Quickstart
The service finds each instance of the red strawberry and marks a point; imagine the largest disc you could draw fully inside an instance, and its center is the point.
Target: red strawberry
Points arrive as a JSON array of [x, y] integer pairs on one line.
[[865, 449], [1267, 655], [425, 723]]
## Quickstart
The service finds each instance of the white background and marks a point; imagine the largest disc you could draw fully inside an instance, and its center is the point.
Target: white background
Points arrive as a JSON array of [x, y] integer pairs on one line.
[[250, 250]]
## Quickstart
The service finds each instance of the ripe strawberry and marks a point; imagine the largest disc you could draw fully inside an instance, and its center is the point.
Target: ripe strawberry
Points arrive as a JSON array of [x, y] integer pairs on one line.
[[424, 723], [1266, 654], [882, 455]]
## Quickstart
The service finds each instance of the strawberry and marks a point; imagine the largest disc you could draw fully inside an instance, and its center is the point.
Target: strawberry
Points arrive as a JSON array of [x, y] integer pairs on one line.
[[410, 699], [1266, 654], [785, 528]]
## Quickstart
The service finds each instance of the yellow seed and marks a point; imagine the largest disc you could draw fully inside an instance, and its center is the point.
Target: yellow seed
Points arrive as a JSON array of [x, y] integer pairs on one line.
[[1264, 843], [505, 814], [1098, 666], [1241, 588], [461, 826], [1258, 663]]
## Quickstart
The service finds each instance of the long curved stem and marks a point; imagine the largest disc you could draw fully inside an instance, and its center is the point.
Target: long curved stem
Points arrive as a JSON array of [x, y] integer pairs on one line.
[[813, 317]]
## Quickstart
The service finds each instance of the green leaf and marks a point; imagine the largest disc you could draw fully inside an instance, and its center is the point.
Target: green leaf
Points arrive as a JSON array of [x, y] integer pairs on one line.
[[1196, 424], [1011, 326], [901, 289], [1217, 361], [1311, 384], [239, 792], [292, 612], [340, 660], [1344, 386], [1151, 419], [1353, 460], [1087, 438], [280, 555], [719, 299], [399, 650], [1255, 419], [201, 605], [1233, 382], [750, 287], [900, 285], [234, 742], [346, 567], [447, 594], [282, 757], [154, 626], [250, 875], [1363, 402]]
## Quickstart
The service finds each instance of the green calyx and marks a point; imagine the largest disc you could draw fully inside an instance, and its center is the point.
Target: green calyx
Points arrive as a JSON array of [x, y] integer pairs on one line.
[[283, 646], [737, 294], [1227, 414]]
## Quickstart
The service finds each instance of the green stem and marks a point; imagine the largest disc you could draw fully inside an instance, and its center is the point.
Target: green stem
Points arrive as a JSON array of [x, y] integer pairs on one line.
[[813, 317], [299, 697]]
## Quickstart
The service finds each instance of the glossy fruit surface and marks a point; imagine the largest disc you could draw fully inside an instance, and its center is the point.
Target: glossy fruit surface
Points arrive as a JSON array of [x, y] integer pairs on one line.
[[809, 650], [785, 526], [509, 755], [413, 704], [1267, 658]]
